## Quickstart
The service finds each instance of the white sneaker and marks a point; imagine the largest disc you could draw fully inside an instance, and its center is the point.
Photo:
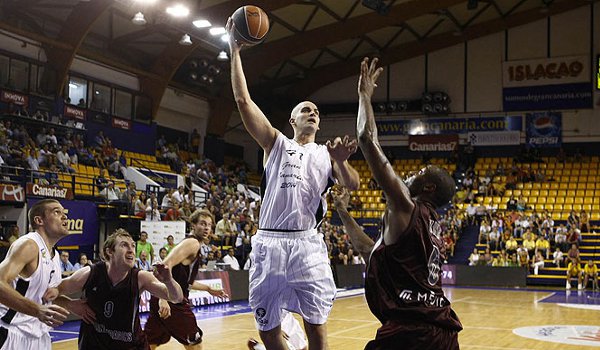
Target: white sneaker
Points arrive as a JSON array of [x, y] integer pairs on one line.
[[580, 286], [568, 286]]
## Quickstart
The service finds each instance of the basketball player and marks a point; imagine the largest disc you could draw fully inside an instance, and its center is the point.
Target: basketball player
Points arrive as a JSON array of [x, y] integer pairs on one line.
[[177, 320], [30, 268], [111, 289], [403, 285], [291, 268]]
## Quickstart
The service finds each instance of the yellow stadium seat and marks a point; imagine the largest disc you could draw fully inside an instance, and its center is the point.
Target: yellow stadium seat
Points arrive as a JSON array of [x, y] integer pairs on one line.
[[550, 200], [534, 193], [526, 193], [549, 207], [578, 200], [541, 200], [577, 207], [569, 200]]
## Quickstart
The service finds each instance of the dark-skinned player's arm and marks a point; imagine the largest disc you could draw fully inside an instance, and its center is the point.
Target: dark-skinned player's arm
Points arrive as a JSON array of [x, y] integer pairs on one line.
[[397, 194], [362, 243]]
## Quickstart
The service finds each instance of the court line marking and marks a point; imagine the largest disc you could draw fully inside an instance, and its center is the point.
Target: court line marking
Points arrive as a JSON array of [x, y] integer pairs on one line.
[[490, 347], [488, 328], [544, 298]]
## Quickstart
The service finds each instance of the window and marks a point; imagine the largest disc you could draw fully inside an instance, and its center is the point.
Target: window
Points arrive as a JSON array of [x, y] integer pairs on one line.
[[33, 78], [19, 75], [3, 70], [123, 101], [77, 91], [99, 98]]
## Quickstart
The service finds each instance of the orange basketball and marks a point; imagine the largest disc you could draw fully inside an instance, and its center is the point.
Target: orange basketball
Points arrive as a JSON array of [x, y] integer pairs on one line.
[[251, 24]]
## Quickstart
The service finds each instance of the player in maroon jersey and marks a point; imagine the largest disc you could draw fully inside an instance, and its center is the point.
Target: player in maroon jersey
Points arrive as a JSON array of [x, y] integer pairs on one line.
[[403, 282]]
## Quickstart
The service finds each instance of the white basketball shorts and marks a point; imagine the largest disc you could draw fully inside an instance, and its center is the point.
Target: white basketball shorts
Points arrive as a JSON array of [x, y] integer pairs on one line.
[[290, 271]]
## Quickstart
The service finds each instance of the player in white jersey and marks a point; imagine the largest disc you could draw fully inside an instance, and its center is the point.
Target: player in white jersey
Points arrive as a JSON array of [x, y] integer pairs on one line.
[[28, 277], [291, 268]]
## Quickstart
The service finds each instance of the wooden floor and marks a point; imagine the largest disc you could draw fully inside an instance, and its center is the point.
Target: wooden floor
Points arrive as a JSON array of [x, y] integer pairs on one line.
[[488, 317]]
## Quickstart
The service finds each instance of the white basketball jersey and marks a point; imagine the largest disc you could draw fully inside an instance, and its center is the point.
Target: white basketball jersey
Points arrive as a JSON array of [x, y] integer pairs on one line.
[[297, 177], [33, 288]]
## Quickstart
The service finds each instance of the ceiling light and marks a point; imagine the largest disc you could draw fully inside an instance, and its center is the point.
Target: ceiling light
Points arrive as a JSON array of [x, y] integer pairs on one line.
[[201, 23], [73, 86], [185, 40], [222, 56], [225, 38], [138, 19], [178, 11], [217, 31]]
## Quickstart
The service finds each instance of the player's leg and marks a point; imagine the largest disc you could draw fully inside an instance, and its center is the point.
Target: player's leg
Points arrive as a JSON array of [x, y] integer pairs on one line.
[[310, 275], [317, 335]]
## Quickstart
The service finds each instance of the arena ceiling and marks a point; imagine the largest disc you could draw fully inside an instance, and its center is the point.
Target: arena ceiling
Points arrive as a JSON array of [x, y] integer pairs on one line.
[[311, 43]]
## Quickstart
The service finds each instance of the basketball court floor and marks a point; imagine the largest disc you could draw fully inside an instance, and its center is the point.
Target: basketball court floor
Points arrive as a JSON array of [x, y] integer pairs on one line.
[[492, 319]]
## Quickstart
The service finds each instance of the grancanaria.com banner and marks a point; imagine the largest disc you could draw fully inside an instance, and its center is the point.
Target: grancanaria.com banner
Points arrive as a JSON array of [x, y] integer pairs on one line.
[[448, 125]]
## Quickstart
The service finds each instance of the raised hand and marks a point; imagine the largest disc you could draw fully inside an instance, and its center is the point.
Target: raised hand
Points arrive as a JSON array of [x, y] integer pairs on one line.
[[52, 315], [340, 149], [369, 73], [340, 196], [233, 44]]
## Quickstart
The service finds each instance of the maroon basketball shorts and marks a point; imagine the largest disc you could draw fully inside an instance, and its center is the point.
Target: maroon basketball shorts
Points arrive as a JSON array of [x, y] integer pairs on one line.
[[181, 325], [418, 337]]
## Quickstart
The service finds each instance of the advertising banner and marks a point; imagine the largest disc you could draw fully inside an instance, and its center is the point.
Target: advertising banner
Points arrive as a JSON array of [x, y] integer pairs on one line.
[[448, 125], [82, 220], [550, 83], [163, 179], [544, 129], [121, 123], [12, 193], [74, 112], [49, 191], [433, 143], [158, 231], [494, 138], [14, 97]]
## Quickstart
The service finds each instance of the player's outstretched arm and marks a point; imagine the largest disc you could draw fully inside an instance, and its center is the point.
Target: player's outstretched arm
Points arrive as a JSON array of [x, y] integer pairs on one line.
[[396, 192], [160, 283], [360, 241], [20, 255], [253, 118], [205, 287]]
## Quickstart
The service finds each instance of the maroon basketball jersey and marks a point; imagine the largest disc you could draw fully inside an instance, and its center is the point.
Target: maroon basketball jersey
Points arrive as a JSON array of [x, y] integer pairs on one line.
[[403, 284], [117, 325]]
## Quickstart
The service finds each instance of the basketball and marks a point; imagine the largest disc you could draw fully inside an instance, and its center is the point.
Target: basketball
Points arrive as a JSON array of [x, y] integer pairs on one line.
[[251, 24]]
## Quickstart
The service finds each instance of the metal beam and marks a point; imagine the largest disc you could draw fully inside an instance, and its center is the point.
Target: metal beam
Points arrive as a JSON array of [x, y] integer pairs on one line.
[[266, 55], [75, 29], [330, 73], [174, 54]]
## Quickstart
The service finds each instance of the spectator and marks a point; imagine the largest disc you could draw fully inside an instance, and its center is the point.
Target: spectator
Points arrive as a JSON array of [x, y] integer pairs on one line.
[[130, 190], [511, 204], [64, 160], [590, 271], [494, 239], [178, 196], [144, 245], [142, 262], [162, 254], [484, 231], [574, 271], [474, 258], [173, 213], [557, 257], [543, 246], [152, 212], [584, 220], [573, 254], [537, 262], [66, 267], [231, 260], [573, 220], [139, 207], [83, 261], [167, 200], [110, 192], [170, 244]]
